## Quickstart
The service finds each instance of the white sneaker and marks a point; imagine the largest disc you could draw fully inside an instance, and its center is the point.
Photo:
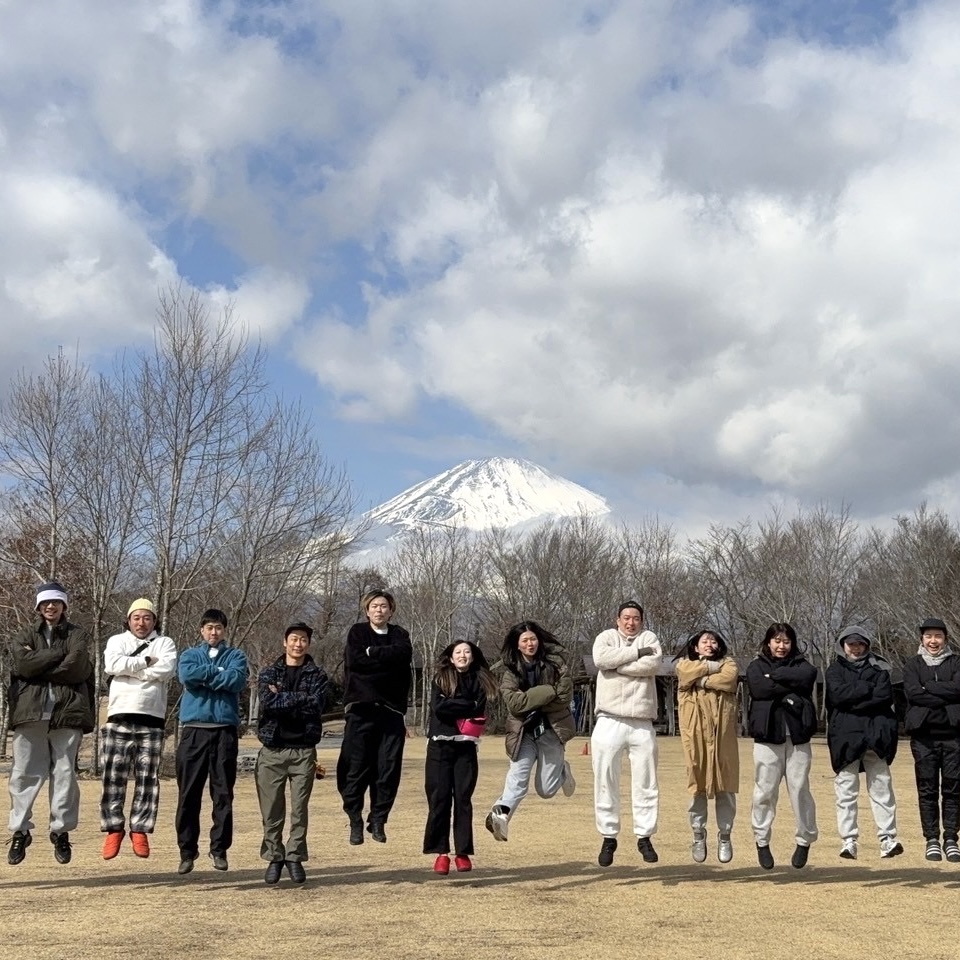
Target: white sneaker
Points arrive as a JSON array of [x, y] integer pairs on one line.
[[849, 850], [498, 824], [724, 848], [699, 846], [890, 847], [569, 783]]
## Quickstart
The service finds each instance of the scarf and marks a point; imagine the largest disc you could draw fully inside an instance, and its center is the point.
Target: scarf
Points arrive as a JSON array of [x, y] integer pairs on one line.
[[934, 661]]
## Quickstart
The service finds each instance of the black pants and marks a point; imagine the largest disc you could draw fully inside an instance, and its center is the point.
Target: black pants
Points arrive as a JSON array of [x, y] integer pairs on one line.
[[450, 779], [937, 766], [371, 757], [206, 752]]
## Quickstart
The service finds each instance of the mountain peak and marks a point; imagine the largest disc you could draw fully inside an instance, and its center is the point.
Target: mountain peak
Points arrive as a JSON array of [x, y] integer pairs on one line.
[[487, 493]]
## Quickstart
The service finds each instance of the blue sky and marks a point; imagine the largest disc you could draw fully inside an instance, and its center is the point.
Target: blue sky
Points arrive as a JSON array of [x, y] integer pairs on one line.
[[698, 256]]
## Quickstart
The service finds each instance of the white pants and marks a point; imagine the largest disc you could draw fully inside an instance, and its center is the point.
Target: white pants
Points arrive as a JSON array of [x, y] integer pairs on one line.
[[879, 789], [724, 808], [547, 753], [773, 762], [612, 737], [41, 754]]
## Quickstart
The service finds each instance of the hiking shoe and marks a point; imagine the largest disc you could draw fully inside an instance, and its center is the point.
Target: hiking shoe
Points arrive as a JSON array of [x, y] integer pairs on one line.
[[724, 848], [377, 832], [140, 844], [219, 860], [186, 865], [356, 832], [19, 842], [569, 784], [607, 849], [951, 851], [649, 854], [498, 823], [765, 857], [933, 852], [442, 864], [849, 850], [463, 864], [271, 875], [111, 844], [799, 858], [296, 872], [890, 847], [62, 850], [699, 846]]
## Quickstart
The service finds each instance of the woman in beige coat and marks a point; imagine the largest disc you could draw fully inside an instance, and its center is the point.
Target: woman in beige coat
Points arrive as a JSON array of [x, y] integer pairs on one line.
[[707, 699]]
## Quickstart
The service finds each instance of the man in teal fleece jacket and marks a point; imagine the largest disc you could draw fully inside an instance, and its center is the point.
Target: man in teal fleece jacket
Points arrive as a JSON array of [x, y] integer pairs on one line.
[[213, 675]]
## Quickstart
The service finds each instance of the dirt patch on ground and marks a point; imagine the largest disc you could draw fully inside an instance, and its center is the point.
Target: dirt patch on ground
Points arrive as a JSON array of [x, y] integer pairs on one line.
[[539, 895]]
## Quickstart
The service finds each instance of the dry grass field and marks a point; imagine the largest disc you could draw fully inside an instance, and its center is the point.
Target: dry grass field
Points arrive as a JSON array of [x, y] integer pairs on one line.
[[539, 895]]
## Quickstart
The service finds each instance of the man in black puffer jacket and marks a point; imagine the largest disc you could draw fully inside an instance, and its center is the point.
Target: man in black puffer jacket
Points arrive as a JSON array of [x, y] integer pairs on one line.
[[862, 734], [931, 682]]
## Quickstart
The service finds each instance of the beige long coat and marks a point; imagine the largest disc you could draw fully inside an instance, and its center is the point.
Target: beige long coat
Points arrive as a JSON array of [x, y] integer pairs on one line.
[[707, 703]]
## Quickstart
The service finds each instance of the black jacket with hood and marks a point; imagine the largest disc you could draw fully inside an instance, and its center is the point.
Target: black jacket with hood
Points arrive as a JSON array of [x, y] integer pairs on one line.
[[860, 706], [64, 666]]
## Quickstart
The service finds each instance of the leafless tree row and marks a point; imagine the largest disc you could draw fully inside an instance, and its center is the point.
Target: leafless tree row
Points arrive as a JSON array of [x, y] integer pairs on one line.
[[179, 476], [818, 569]]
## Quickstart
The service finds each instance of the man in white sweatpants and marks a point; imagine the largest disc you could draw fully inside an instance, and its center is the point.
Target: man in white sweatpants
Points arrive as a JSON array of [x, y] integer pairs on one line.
[[627, 659]]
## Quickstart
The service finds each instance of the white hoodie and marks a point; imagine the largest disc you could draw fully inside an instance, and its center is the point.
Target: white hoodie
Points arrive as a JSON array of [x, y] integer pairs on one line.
[[136, 687]]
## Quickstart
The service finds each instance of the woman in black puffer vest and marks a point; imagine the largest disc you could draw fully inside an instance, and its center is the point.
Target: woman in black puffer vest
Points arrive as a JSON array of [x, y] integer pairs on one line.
[[781, 721]]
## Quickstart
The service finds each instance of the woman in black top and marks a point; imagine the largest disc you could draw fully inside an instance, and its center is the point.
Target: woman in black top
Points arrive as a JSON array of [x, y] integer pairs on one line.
[[781, 721]]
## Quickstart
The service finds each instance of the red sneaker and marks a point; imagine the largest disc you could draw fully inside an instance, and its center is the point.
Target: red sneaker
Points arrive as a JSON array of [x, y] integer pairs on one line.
[[141, 845], [442, 864], [463, 864], [111, 844]]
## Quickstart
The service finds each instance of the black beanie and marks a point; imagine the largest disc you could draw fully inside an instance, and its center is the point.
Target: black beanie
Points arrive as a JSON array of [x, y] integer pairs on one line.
[[933, 623]]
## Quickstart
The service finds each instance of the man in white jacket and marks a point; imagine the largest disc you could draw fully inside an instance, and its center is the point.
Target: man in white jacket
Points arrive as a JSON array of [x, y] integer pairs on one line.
[[627, 659], [140, 664]]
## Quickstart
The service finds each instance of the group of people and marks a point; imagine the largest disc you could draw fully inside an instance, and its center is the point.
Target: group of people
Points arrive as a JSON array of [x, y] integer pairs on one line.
[[52, 706], [862, 736]]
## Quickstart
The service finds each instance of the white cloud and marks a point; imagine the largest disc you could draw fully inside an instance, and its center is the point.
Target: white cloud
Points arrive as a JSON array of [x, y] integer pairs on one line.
[[746, 270], [630, 233]]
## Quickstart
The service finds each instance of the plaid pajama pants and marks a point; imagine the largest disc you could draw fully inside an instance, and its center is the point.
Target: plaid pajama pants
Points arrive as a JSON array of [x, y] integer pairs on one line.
[[126, 747]]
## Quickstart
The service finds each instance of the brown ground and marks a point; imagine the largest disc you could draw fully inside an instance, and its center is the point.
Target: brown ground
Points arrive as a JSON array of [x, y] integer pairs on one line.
[[539, 895]]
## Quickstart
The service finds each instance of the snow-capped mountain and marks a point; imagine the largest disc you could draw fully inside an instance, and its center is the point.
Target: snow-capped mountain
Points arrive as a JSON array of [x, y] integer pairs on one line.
[[479, 495]]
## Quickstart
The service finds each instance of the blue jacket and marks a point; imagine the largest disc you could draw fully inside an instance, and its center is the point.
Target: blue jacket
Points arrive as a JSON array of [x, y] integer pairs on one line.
[[212, 685]]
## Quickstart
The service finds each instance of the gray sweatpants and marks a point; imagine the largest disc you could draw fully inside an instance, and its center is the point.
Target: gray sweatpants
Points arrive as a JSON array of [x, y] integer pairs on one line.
[[773, 762], [41, 754], [546, 753], [879, 789], [724, 807]]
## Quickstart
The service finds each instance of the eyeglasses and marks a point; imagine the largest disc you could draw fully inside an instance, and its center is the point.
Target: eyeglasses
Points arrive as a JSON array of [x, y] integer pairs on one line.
[[49, 603]]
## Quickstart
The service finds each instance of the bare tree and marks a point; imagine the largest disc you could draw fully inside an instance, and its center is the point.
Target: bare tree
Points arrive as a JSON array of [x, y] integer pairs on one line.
[[38, 445]]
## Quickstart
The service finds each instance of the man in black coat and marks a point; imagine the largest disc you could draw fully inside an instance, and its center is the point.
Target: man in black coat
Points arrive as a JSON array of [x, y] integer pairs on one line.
[[377, 662], [931, 683]]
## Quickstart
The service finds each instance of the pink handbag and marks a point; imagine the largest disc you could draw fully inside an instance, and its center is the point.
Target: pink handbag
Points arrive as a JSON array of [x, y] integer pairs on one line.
[[472, 726]]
